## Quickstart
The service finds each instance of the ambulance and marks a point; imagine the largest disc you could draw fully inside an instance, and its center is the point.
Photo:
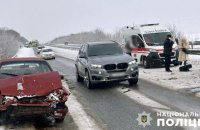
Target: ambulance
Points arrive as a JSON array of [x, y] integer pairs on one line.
[[145, 44]]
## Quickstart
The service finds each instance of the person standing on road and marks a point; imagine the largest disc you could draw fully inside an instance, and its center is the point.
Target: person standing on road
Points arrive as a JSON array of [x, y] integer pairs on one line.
[[167, 52], [183, 51]]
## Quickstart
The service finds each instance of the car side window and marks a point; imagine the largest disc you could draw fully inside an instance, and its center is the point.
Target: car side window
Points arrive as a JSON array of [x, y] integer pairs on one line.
[[81, 49], [85, 49], [137, 42]]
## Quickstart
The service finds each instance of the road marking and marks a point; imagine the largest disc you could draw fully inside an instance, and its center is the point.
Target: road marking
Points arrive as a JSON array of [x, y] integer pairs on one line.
[[143, 100], [146, 101], [80, 117]]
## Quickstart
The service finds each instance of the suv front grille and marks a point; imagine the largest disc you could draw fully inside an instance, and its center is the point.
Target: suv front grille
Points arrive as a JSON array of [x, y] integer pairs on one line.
[[122, 66], [116, 67], [110, 66]]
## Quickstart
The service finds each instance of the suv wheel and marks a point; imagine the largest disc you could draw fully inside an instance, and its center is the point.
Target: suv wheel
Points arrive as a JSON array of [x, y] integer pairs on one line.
[[87, 81], [132, 81], [78, 77]]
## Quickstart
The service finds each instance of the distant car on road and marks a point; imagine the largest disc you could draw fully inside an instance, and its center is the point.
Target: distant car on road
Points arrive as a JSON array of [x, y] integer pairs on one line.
[[99, 62], [39, 48], [30, 88], [47, 53]]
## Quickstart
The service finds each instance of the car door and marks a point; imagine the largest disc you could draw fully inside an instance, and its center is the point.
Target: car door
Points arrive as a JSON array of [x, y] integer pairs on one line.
[[80, 60], [84, 60]]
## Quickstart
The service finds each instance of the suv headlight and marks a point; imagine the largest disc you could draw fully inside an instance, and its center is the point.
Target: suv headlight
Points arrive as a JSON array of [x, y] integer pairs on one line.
[[95, 66], [58, 95], [132, 62]]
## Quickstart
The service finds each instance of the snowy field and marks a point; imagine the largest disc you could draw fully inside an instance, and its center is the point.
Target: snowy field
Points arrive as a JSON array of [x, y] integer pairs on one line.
[[174, 80]]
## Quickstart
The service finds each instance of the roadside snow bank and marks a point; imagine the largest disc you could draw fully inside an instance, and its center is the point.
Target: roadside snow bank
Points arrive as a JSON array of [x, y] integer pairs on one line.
[[25, 52], [70, 54], [174, 80]]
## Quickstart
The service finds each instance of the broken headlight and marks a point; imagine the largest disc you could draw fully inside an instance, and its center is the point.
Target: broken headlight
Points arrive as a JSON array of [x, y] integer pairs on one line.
[[57, 95], [7, 99]]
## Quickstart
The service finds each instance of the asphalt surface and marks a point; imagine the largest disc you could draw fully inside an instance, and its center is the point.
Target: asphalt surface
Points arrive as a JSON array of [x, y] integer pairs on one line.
[[113, 110]]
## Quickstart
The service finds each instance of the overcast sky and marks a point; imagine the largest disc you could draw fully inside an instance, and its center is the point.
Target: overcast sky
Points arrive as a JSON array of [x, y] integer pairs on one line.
[[46, 19]]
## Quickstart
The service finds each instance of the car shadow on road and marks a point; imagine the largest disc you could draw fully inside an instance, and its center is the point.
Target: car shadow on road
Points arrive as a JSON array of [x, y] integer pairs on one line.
[[112, 85], [30, 123]]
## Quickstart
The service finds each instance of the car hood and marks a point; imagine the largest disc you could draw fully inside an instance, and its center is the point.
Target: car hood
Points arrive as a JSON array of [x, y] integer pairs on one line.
[[47, 52], [110, 59], [31, 85]]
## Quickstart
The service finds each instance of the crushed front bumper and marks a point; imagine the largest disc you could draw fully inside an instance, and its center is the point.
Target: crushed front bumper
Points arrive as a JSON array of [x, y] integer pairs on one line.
[[26, 111]]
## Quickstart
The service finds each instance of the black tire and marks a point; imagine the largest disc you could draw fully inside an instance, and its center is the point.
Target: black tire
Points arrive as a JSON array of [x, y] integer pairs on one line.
[[145, 63], [133, 81], [60, 120], [176, 63], [78, 77], [88, 82], [50, 120], [3, 117]]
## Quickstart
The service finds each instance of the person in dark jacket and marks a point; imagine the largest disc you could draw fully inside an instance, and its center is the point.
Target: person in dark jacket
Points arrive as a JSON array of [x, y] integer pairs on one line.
[[167, 52]]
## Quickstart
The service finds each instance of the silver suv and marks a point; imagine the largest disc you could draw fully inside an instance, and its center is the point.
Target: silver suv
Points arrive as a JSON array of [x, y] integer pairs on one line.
[[99, 62]]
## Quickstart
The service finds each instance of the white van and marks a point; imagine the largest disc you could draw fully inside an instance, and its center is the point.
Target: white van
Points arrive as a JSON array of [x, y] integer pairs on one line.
[[145, 44]]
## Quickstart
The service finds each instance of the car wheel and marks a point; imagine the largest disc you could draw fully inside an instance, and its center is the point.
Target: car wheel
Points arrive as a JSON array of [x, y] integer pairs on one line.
[[50, 119], [133, 81], [78, 77], [60, 120], [87, 81], [145, 63], [3, 117]]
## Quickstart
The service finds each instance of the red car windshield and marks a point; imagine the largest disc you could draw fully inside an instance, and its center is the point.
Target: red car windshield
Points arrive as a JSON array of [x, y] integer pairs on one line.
[[24, 68]]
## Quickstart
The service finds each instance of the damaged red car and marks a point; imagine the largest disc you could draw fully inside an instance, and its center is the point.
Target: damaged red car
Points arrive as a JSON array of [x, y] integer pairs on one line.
[[30, 87]]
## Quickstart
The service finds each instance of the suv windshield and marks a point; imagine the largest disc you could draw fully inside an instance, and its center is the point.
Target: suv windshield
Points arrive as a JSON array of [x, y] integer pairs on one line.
[[154, 39], [24, 68], [104, 49]]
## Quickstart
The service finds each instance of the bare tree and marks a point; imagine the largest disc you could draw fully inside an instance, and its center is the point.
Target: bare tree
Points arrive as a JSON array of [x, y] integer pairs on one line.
[[117, 36], [10, 41], [175, 32]]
